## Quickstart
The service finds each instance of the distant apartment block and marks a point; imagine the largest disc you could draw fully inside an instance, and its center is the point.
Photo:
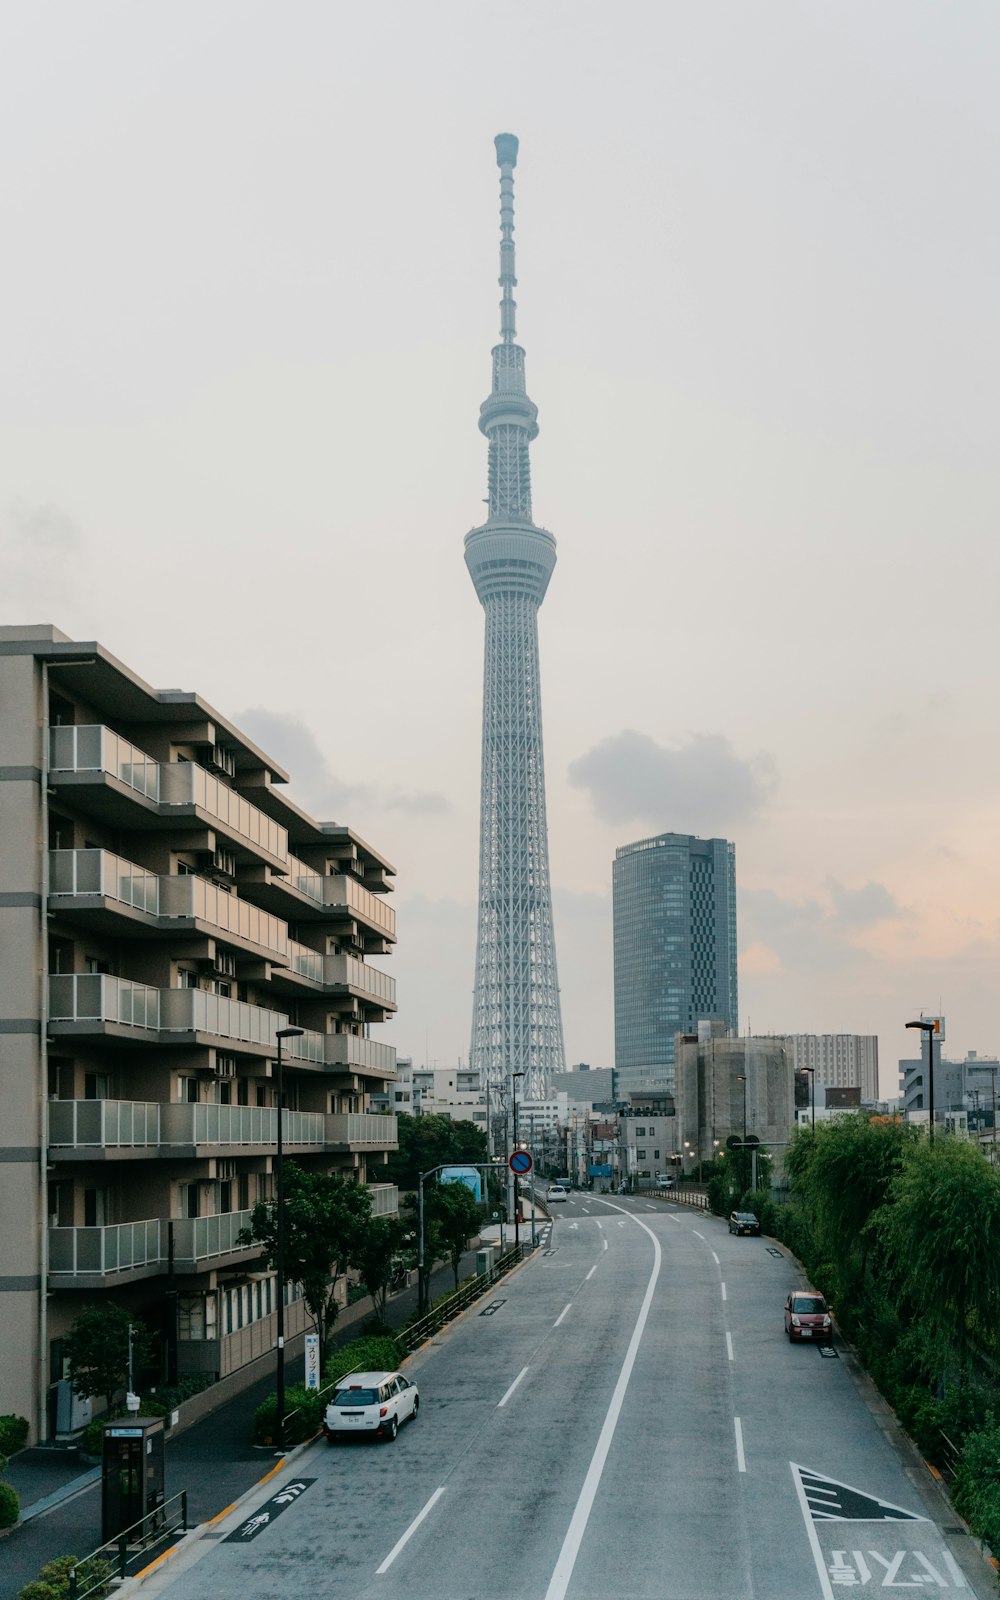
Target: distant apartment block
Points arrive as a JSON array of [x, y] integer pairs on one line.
[[839, 1060], [165, 909], [674, 907], [733, 1086], [968, 1085], [453, 1092]]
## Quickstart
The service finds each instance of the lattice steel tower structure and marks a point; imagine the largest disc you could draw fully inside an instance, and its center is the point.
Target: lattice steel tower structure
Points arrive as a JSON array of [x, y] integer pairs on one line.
[[516, 1023]]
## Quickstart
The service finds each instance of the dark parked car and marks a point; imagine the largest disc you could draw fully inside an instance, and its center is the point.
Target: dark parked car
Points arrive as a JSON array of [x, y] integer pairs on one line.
[[743, 1222], [807, 1316]]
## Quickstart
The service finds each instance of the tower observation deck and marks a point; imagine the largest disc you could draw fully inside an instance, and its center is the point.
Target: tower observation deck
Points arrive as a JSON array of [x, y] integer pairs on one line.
[[517, 1023]]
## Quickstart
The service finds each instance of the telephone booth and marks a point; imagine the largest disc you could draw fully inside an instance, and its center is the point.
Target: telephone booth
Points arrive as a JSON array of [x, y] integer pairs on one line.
[[132, 1472]]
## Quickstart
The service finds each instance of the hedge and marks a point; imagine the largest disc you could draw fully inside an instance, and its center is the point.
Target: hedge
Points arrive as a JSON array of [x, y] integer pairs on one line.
[[13, 1434], [52, 1582], [375, 1352], [10, 1506]]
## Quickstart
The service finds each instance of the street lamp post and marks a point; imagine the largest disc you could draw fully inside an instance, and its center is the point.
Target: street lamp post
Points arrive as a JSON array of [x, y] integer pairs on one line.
[[812, 1092], [928, 1026], [279, 1228], [741, 1077]]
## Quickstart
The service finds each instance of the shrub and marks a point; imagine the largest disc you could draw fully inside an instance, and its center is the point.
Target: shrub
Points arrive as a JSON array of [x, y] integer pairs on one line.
[[372, 1353], [52, 1582], [10, 1506], [976, 1491], [13, 1433], [307, 1406]]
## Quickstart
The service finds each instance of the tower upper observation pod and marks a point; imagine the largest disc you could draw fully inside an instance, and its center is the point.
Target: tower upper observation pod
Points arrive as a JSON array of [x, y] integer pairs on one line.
[[517, 1025]]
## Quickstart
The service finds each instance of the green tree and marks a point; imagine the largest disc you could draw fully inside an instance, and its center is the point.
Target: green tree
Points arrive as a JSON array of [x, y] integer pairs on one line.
[[325, 1220], [96, 1349], [454, 1214], [375, 1258], [431, 1141], [940, 1233]]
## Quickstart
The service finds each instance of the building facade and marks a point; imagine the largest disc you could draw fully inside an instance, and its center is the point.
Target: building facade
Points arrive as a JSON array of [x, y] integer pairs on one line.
[[165, 910], [516, 1018], [674, 908], [733, 1086], [839, 1060]]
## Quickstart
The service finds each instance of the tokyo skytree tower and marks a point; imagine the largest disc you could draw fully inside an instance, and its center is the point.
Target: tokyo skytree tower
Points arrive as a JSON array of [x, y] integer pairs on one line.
[[516, 1022]]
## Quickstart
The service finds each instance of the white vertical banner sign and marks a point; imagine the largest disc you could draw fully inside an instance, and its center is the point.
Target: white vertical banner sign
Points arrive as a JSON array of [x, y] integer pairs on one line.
[[312, 1360]]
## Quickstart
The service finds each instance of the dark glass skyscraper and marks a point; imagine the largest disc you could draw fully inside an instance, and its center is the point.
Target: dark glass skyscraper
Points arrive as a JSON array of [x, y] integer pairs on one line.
[[674, 900]]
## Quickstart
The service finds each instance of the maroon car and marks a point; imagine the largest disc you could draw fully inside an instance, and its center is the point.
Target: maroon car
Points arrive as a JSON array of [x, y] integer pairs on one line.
[[807, 1316]]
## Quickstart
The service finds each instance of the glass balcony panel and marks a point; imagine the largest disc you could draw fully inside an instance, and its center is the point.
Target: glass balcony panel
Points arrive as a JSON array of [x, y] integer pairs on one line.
[[359, 975], [307, 963], [305, 879], [385, 1199], [362, 1128], [101, 872], [94, 1251], [201, 1238], [98, 997], [342, 890], [185, 783], [350, 1050]]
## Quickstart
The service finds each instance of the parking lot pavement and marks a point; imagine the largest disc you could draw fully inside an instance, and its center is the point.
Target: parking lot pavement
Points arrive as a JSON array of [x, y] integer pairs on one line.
[[215, 1460]]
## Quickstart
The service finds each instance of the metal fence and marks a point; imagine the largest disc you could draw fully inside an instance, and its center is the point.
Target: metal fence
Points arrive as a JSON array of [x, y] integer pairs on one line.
[[415, 1333], [122, 1554]]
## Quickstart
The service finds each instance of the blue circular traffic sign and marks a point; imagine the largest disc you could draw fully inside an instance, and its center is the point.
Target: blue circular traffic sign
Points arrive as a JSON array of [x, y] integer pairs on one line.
[[520, 1161]]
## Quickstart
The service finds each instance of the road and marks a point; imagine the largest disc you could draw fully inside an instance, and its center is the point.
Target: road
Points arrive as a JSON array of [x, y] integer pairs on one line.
[[623, 1418]]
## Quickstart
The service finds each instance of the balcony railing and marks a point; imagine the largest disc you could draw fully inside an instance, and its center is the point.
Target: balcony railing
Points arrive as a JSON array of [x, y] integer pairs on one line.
[[100, 872], [307, 963], [201, 1238], [190, 1010], [385, 1199], [358, 1129], [76, 1252], [240, 1125], [171, 783], [359, 975], [98, 997], [343, 891], [350, 1050], [106, 1124], [305, 879]]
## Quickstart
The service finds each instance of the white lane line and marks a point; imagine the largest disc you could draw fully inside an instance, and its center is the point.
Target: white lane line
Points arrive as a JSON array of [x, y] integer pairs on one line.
[[715, 1258], [513, 1386], [605, 1244], [590, 1274], [723, 1291], [697, 1234], [559, 1582], [585, 1211], [741, 1460], [411, 1530], [621, 1224], [561, 1315], [600, 1224], [729, 1347]]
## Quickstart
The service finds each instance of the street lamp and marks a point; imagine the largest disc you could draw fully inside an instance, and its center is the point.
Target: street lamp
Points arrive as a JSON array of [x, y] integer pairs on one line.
[[812, 1092], [929, 1026], [741, 1077], [279, 1253]]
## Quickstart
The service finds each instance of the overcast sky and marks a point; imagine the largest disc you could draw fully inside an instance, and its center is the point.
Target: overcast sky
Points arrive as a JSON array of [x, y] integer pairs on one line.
[[248, 299]]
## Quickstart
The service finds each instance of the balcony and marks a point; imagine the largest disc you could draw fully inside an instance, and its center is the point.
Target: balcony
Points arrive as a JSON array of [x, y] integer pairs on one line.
[[131, 1247], [96, 753], [358, 1054], [340, 893], [385, 1199], [343, 972], [81, 997], [362, 1130], [201, 1239], [88, 875], [121, 1127]]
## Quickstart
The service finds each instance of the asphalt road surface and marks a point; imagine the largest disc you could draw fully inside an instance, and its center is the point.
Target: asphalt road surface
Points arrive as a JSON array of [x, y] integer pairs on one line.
[[624, 1419]]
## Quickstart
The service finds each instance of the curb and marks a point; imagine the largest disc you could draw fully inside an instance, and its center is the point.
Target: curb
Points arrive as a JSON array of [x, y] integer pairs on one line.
[[66, 1492]]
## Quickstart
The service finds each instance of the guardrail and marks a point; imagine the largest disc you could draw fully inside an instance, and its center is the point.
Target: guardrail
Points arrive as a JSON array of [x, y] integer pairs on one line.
[[694, 1199], [415, 1333], [121, 1552]]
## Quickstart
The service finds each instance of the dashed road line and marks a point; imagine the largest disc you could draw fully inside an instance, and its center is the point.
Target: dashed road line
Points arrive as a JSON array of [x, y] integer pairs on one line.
[[590, 1274], [729, 1346], [411, 1530], [560, 1316], [513, 1386], [741, 1460], [723, 1287]]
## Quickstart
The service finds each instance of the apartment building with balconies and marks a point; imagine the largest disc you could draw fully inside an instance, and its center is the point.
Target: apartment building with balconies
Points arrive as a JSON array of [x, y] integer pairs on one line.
[[165, 909]]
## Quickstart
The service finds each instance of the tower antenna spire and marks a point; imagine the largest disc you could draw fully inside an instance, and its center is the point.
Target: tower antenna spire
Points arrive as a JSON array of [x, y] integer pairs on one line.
[[506, 145]]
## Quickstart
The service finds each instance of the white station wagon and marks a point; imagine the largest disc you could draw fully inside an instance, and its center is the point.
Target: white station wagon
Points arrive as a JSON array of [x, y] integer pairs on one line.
[[370, 1402]]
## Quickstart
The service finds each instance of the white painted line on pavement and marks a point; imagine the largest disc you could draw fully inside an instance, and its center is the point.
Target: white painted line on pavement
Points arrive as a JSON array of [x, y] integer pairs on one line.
[[729, 1346], [513, 1386], [697, 1234], [650, 1208], [600, 1224], [559, 1582], [411, 1530], [590, 1274], [715, 1258], [723, 1291], [561, 1315], [585, 1211], [741, 1460], [605, 1244]]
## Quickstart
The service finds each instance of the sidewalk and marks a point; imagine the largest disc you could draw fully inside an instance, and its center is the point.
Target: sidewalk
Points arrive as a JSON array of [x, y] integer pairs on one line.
[[214, 1460]]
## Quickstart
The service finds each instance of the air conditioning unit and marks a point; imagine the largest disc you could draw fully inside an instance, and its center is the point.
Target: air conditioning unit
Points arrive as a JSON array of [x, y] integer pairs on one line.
[[224, 861], [225, 1066], [222, 760]]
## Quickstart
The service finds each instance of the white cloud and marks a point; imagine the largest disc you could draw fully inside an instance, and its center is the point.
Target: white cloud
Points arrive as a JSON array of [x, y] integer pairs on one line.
[[700, 787]]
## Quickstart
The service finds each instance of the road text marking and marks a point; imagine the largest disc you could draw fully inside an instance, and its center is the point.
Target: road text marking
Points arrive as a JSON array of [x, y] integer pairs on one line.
[[411, 1530], [513, 1386], [741, 1460]]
